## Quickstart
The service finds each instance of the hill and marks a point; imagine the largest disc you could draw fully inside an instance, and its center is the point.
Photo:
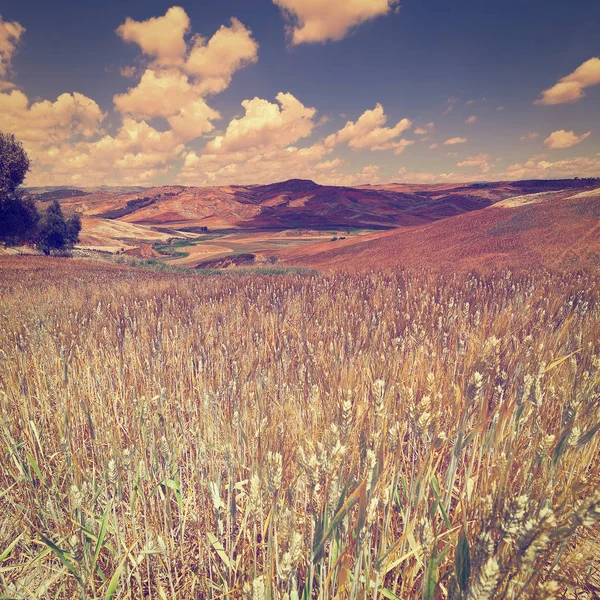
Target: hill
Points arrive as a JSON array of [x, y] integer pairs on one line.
[[303, 204], [414, 224], [558, 229]]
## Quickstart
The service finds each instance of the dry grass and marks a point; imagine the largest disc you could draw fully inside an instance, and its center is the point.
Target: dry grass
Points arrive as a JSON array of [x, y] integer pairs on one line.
[[398, 435]]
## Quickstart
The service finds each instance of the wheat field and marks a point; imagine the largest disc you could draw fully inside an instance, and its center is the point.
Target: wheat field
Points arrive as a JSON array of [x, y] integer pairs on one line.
[[385, 435]]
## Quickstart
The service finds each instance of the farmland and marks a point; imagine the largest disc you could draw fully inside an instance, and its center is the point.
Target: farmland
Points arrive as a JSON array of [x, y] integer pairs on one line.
[[393, 434]]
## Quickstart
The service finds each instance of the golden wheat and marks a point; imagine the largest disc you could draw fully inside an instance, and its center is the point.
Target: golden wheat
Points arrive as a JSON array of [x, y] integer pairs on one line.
[[388, 435]]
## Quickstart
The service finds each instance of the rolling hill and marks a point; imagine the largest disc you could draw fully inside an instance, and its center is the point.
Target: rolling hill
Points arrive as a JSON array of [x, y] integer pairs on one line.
[[461, 225], [302, 204], [553, 229]]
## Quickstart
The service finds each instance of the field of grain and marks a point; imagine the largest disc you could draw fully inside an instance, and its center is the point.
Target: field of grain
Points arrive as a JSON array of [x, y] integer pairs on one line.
[[382, 435]]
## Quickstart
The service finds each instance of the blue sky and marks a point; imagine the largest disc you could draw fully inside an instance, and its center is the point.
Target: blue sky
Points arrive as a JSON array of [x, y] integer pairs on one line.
[[151, 92]]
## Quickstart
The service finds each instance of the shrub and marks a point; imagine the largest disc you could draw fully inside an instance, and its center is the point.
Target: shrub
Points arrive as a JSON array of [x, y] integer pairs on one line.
[[55, 233]]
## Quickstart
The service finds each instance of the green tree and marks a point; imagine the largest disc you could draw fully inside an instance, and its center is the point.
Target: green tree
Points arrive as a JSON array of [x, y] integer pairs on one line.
[[55, 233], [18, 217]]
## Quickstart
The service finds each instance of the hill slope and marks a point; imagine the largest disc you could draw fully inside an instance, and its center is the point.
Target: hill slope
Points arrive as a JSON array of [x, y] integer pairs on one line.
[[555, 231], [304, 204]]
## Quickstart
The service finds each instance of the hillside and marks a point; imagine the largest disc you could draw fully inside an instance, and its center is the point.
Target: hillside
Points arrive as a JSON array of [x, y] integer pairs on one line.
[[413, 224], [303, 204], [556, 230]]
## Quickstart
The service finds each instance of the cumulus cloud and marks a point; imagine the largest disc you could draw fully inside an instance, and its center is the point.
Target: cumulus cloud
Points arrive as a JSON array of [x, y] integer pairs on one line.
[[433, 146], [532, 135], [542, 169], [193, 120], [10, 34], [46, 122], [319, 21], [424, 177], [265, 125], [136, 154], [202, 67], [214, 61], [570, 88], [67, 145], [272, 164], [159, 93], [471, 119], [369, 131], [160, 37], [176, 82], [564, 139], [260, 145], [328, 165], [479, 162], [455, 140]]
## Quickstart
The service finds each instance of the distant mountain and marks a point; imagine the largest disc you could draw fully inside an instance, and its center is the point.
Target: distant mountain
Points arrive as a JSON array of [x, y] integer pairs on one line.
[[301, 203], [55, 194], [61, 191]]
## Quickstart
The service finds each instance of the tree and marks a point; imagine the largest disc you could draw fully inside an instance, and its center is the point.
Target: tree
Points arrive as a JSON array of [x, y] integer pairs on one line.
[[55, 232], [18, 217]]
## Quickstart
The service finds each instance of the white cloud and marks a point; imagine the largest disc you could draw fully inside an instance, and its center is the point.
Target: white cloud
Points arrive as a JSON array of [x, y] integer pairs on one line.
[[368, 131], [530, 136], [424, 129], [570, 88], [471, 119], [193, 120], [175, 83], [10, 34], [480, 162], [564, 139], [210, 63], [160, 37], [542, 169], [159, 93], [137, 154], [258, 146], [321, 21], [328, 165], [455, 140], [49, 122], [433, 146], [265, 125], [424, 177], [214, 61], [275, 164]]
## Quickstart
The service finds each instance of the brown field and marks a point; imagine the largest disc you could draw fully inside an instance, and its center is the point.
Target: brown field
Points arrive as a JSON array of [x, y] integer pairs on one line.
[[382, 435], [555, 230], [264, 243]]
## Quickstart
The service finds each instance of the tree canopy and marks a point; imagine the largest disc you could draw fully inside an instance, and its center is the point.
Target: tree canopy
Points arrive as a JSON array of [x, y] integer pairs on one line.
[[20, 221], [18, 217], [55, 232]]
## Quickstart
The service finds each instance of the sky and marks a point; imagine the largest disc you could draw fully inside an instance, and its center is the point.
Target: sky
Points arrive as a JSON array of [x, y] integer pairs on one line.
[[343, 92]]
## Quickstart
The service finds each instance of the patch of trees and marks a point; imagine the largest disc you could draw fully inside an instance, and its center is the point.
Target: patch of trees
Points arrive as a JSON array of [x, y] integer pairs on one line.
[[20, 221]]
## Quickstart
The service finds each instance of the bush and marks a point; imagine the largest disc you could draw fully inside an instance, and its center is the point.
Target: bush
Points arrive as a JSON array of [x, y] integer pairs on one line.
[[55, 233]]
